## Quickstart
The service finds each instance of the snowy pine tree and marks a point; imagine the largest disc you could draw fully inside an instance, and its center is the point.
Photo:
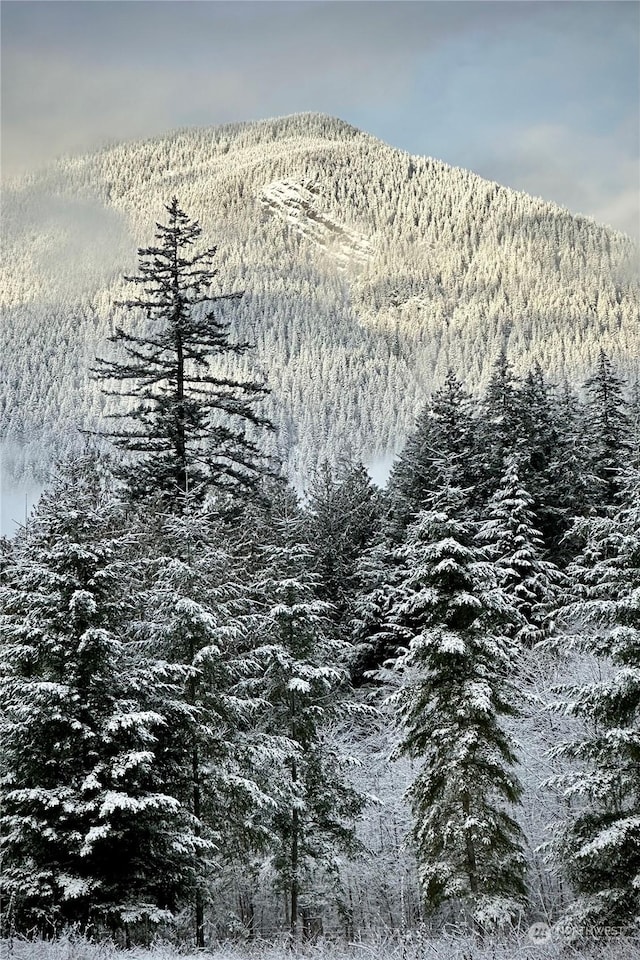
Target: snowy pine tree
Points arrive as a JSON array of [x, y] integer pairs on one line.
[[571, 478], [187, 423], [89, 832], [515, 547], [500, 422], [454, 695], [442, 442], [197, 616], [634, 424], [537, 452], [607, 429], [374, 636], [601, 845], [343, 511], [305, 687]]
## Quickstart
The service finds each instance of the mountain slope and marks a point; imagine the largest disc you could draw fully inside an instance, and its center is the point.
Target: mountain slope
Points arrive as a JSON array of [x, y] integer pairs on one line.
[[367, 273]]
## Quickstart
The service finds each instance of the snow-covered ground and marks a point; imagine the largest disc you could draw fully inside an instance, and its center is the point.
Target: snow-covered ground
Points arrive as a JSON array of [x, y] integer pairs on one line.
[[536, 945]]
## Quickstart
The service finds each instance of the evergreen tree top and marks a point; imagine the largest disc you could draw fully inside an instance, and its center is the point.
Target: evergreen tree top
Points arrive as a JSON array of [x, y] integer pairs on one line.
[[190, 426]]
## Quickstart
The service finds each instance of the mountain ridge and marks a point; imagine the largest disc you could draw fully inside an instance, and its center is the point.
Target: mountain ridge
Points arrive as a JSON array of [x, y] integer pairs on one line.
[[237, 127], [368, 272]]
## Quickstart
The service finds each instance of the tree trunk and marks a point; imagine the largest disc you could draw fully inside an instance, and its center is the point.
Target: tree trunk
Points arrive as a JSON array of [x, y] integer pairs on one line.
[[247, 911], [199, 900], [195, 799], [472, 868], [181, 441], [294, 873], [295, 829]]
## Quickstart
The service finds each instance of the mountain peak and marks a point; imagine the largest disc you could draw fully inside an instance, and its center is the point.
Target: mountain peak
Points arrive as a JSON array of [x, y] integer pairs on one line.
[[367, 274]]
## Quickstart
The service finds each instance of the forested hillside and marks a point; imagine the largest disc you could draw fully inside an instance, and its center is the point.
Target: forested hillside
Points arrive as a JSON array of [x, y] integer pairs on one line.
[[229, 714], [368, 273], [392, 715]]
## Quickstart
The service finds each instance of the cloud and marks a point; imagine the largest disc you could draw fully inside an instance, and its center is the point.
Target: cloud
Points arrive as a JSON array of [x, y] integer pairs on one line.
[[87, 244], [593, 174], [76, 75], [532, 95]]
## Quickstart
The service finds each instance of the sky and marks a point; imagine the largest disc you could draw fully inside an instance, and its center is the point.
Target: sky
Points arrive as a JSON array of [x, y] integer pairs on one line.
[[541, 96]]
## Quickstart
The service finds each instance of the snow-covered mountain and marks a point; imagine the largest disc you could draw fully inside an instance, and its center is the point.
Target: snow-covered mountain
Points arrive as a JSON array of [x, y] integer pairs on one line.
[[367, 273]]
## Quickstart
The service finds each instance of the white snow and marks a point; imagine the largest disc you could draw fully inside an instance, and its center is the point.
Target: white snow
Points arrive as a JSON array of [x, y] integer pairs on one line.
[[302, 210]]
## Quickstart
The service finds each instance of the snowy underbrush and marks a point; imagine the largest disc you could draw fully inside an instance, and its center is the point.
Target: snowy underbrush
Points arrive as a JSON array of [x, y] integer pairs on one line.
[[453, 945]]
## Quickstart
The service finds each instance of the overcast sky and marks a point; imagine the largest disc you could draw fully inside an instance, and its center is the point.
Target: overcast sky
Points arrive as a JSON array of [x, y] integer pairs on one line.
[[542, 96]]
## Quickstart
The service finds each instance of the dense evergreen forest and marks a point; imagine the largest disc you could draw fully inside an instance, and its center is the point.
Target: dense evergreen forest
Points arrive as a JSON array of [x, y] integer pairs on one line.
[[230, 710], [367, 274]]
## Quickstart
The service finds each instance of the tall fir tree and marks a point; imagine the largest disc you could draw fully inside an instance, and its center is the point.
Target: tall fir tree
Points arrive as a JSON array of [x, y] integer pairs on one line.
[[454, 696], [500, 422], [634, 424], [515, 547], [442, 446], [199, 615], [600, 846], [189, 423], [537, 452], [343, 517], [607, 430], [89, 832], [193, 431], [374, 636], [571, 480], [305, 687]]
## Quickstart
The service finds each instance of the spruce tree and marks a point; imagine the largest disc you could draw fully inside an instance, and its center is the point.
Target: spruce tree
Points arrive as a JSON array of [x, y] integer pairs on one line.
[[305, 688], [601, 844], [515, 547], [570, 471], [374, 635], [607, 429], [89, 832], [500, 423], [343, 511], [634, 424], [189, 430], [454, 696], [537, 453], [442, 446], [200, 617], [189, 422]]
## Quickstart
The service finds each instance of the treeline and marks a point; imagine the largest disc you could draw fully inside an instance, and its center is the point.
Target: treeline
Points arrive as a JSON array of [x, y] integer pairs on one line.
[[182, 695], [203, 675]]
